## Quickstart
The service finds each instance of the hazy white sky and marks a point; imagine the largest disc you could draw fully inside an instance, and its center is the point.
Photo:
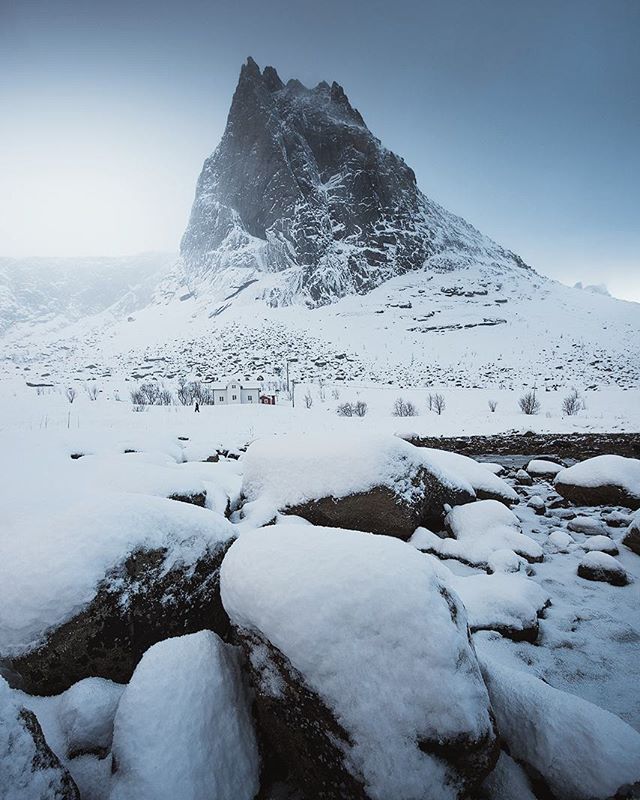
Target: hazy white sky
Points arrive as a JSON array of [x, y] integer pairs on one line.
[[523, 118]]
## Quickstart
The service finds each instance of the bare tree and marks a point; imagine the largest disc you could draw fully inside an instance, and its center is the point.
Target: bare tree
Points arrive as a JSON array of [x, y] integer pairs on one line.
[[183, 392], [345, 410], [70, 394], [529, 403], [308, 400], [92, 390], [335, 393], [322, 389], [572, 404], [439, 404], [493, 404], [430, 401], [360, 408], [404, 408]]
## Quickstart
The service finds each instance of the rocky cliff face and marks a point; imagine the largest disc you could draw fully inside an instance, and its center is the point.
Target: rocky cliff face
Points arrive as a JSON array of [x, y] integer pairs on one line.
[[300, 186]]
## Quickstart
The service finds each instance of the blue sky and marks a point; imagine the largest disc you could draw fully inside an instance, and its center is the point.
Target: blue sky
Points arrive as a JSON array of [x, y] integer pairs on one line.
[[522, 117]]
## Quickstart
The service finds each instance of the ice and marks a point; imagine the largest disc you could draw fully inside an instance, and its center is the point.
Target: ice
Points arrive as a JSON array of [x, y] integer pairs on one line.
[[183, 728]]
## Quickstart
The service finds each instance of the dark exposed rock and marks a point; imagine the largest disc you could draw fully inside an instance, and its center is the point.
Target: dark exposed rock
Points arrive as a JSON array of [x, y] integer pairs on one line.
[[30, 769], [610, 572], [381, 510], [304, 733], [299, 183], [196, 499], [603, 495], [631, 538], [138, 603]]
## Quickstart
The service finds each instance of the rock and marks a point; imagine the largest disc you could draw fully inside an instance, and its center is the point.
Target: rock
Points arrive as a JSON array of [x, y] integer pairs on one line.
[[523, 478], [616, 519], [144, 599], [269, 199], [603, 480], [571, 747], [374, 483], [596, 566], [183, 728], [543, 469], [29, 769], [631, 539], [601, 544], [537, 504], [587, 525], [86, 712], [561, 541], [326, 698]]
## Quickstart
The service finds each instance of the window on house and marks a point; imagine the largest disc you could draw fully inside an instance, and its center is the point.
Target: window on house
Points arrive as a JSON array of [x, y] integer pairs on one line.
[[233, 397], [221, 399], [250, 398]]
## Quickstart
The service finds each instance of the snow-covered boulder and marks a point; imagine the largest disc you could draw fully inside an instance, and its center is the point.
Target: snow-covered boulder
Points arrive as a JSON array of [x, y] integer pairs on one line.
[[366, 682], [579, 750], [478, 530], [486, 484], [540, 468], [113, 575], [183, 728], [509, 604], [561, 541], [631, 539], [377, 483], [598, 566], [602, 544], [586, 525], [85, 713], [29, 770], [603, 480]]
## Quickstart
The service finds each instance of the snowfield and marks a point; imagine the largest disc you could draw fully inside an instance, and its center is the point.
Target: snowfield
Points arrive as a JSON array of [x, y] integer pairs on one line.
[[557, 649]]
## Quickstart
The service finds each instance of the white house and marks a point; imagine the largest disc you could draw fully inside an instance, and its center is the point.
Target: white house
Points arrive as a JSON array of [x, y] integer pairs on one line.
[[235, 393]]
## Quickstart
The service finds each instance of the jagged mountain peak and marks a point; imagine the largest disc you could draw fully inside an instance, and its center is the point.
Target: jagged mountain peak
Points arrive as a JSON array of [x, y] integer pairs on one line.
[[302, 196]]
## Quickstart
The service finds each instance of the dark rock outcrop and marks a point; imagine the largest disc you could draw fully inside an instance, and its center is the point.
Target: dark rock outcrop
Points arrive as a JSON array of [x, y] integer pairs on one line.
[[137, 604], [381, 510], [299, 184]]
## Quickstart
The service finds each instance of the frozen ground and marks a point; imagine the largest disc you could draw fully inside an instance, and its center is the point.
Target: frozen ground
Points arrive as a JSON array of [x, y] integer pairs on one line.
[[588, 635]]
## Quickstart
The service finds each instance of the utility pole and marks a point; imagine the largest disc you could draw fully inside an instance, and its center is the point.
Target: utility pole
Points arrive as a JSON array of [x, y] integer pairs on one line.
[[289, 361], [293, 394]]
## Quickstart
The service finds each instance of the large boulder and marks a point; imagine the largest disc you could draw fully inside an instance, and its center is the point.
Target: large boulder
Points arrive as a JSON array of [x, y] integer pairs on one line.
[[29, 769], [599, 566], [183, 728], [112, 577], [603, 480], [482, 535], [366, 683], [580, 751], [375, 483], [631, 539]]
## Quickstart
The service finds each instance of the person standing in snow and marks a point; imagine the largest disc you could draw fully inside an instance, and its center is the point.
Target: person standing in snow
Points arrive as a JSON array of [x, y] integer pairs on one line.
[[197, 409]]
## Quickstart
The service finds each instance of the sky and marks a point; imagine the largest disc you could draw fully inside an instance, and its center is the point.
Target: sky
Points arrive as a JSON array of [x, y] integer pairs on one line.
[[523, 117]]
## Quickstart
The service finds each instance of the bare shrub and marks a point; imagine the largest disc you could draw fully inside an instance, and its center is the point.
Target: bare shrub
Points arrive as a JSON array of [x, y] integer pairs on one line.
[[430, 402], [439, 404], [344, 410], [70, 394], [138, 397], [165, 398], [572, 404], [493, 404], [360, 408], [184, 393], [308, 400], [92, 390], [150, 391], [335, 394], [404, 408], [529, 403]]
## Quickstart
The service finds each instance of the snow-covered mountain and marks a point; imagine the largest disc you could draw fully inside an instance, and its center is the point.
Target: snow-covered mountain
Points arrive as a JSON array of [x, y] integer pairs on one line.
[[308, 240], [54, 292], [301, 197]]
